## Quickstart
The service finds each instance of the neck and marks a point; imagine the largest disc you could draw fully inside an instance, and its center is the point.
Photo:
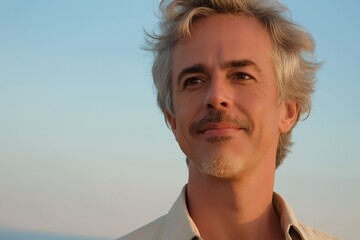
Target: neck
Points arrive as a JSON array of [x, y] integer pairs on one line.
[[233, 208]]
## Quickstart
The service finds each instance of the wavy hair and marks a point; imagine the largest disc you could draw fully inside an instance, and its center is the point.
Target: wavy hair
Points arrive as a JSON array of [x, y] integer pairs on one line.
[[293, 54]]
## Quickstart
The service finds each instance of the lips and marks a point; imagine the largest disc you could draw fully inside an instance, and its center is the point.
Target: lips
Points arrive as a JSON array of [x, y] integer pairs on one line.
[[218, 123], [217, 128]]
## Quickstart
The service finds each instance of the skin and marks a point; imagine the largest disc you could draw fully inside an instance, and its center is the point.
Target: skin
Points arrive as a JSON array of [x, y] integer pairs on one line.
[[227, 122]]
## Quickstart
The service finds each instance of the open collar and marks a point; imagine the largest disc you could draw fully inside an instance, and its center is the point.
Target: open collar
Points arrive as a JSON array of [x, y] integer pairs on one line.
[[178, 224]]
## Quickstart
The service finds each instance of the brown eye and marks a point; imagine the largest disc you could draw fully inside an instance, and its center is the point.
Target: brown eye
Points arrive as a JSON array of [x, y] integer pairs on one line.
[[242, 76], [192, 81]]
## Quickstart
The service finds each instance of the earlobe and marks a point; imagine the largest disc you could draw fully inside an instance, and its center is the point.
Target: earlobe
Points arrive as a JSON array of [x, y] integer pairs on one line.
[[289, 116], [171, 120]]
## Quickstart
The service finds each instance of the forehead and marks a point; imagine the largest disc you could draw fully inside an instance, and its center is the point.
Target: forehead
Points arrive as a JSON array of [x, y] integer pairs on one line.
[[221, 38], [219, 23]]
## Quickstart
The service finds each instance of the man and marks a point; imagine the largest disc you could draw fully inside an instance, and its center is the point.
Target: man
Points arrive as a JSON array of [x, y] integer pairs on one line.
[[233, 78]]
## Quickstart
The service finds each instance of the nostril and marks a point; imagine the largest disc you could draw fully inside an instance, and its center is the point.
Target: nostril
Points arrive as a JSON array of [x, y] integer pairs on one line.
[[210, 106], [219, 105]]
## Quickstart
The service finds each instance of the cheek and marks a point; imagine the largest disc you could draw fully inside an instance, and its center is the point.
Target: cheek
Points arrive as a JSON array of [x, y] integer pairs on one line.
[[186, 113], [261, 109], [187, 105], [250, 102]]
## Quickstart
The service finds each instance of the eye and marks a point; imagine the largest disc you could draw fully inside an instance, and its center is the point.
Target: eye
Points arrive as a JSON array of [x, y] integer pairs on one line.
[[242, 76], [192, 81]]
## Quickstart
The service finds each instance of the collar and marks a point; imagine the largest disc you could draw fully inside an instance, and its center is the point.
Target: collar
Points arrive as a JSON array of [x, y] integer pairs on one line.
[[289, 224], [178, 224]]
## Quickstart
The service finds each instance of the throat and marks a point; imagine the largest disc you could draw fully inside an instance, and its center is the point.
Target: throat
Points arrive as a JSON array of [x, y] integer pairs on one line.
[[229, 210]]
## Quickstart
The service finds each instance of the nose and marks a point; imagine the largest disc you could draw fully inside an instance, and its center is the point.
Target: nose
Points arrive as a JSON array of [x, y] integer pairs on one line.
[[218, 95]]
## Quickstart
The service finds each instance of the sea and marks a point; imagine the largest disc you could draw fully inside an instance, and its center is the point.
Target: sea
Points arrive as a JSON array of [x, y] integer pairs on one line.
[[6, 234]]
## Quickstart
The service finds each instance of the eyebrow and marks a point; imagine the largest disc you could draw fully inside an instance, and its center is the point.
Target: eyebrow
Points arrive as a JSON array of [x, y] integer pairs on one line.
[[201, 68], [197, 68], [240, 63]]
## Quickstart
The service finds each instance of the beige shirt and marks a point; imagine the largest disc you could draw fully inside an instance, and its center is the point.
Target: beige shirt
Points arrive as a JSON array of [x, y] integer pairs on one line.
[[178, 225]]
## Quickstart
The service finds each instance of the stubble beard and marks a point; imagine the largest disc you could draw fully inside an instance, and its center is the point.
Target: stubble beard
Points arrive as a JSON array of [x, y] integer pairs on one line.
[[219, 164]]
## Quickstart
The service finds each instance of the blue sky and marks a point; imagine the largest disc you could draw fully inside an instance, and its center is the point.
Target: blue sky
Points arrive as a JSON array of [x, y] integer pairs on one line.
[[84, 149]]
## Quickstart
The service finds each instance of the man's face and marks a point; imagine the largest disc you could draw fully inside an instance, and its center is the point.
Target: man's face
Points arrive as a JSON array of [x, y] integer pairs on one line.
[[226, 117]]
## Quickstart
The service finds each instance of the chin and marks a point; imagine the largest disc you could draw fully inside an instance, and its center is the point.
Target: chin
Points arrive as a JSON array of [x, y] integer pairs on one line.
[[221, 166]]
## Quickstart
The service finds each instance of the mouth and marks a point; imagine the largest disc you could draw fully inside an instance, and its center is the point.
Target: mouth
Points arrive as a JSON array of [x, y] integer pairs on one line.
[[219, 124], [218, 128]]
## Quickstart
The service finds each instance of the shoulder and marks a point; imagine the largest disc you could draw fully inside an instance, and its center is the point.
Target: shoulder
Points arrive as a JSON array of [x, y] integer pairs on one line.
[[311, 233], [150, 231]]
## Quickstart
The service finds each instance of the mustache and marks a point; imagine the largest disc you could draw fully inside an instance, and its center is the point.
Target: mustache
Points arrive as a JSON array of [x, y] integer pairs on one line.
[[217, 117]]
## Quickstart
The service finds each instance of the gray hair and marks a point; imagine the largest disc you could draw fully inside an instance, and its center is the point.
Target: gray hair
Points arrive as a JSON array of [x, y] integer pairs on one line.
[[293, 54]]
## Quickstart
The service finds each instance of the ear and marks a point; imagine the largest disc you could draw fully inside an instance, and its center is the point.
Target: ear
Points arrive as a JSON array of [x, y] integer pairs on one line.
[[289, 116], [171, 121]]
